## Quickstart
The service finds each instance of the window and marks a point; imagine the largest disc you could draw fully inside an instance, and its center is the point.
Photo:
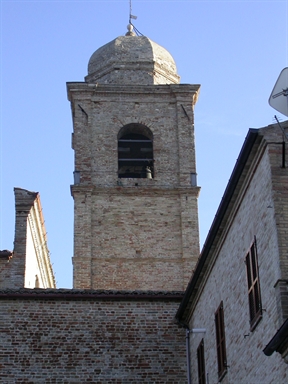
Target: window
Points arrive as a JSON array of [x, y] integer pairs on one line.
[[255, 306], [135, 152], [201, 363], [220, 341]]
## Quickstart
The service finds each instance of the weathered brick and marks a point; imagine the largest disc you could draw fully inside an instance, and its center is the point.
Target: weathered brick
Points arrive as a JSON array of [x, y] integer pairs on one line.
[[66, 339], [134, 233], [257, 209]]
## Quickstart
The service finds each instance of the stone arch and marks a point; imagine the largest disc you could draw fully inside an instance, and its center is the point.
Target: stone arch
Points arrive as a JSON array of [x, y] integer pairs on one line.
[[135, 151], [135, 128]]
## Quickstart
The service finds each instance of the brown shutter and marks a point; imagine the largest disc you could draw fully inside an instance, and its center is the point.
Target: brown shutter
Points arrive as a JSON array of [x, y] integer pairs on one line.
[[254, 295], [201, 363], [220, 341]]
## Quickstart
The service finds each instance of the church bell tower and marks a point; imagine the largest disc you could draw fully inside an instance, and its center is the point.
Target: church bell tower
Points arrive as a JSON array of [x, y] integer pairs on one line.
[[135, 191]]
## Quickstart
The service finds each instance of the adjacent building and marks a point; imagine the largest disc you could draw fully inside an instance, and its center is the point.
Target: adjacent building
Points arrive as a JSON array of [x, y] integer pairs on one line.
[[236, 303]]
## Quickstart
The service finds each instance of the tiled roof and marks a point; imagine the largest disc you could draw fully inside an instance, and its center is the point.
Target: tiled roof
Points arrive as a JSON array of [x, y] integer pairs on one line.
[[5, 254]]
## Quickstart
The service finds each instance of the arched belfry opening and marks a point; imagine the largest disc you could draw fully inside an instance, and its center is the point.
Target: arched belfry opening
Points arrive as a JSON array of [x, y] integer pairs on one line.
[[135, 152]]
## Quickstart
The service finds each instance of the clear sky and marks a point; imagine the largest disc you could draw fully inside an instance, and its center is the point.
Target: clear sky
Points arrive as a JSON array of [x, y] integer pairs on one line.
[[234, 49]]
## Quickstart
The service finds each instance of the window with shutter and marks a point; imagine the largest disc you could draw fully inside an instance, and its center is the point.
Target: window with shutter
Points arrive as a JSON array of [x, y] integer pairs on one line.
[[220, 341], [201, 363], [254, 296]]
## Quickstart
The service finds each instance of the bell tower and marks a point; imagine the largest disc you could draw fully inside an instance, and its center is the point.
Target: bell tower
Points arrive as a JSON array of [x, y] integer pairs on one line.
[[135, 191]]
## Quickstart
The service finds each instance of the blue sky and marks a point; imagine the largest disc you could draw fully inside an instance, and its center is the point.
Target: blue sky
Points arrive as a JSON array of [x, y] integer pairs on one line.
[[234, 49]]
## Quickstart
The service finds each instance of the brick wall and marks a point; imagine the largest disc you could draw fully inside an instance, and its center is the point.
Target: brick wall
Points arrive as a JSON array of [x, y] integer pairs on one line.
[[134, 233], [69, 336], [280, 200], [105, 109], [135, 241]]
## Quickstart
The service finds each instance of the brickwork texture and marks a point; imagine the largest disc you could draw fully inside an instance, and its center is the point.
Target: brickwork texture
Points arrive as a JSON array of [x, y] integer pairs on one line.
[[62, 338], [134, 233], [255, 214]]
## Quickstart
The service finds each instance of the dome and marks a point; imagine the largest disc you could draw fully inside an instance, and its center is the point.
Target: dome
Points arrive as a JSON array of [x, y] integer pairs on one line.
[[132, 59]]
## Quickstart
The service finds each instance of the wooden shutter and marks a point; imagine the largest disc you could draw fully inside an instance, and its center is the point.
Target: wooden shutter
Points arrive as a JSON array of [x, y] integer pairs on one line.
[[254, 296], [201, 363], [220, 341]]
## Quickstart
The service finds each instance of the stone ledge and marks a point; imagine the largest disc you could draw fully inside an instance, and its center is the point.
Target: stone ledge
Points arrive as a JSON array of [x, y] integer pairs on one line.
[[88, 294]]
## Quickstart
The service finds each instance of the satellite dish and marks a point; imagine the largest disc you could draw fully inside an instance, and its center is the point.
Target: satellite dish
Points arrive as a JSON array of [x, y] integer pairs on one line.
[[279, 95]]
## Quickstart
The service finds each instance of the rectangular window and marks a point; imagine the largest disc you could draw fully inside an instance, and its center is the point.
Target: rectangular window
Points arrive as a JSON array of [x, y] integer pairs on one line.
[[220, 341], [201, 363], [255, 305]]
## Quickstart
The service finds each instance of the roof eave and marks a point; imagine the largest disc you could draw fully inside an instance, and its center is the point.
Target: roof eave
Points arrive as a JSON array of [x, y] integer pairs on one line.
[[229, 192]]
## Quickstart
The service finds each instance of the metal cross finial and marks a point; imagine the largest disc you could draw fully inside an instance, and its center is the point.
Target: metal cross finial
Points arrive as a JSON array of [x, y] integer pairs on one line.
[[131, 28]]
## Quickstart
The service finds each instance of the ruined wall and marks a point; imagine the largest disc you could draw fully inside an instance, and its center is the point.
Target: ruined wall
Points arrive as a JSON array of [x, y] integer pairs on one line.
[[12, 272], [30, 264], [69, 336]]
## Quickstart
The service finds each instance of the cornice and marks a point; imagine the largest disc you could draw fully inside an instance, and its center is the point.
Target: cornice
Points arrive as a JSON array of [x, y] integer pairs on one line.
[[215, 236], [135, 190], [89, 294], [89, 89]]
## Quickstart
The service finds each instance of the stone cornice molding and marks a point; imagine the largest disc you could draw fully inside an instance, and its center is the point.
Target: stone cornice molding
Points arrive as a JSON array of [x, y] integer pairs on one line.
[[89, 294], [87, 90]]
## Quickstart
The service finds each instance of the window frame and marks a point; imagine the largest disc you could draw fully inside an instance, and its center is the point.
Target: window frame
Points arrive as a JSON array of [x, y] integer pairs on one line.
[[220, 342], [253, 285], [201, 363]]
